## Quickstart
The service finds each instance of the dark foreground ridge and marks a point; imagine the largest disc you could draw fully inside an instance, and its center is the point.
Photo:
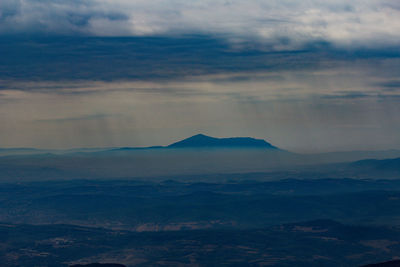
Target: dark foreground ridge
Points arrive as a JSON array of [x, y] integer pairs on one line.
[[304, 244], [394, 263], [201, 140], [98, 265]]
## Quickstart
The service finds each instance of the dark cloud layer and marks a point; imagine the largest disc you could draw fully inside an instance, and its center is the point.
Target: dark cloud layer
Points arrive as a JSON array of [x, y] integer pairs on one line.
[[391, 85], [144, 58]]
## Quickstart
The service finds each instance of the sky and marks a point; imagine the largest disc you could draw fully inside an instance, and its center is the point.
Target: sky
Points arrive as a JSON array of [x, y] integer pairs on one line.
[[307, 76]]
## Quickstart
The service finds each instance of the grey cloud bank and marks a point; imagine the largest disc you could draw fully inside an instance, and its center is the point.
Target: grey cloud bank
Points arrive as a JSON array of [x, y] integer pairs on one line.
[[150, 58], [281, 24]]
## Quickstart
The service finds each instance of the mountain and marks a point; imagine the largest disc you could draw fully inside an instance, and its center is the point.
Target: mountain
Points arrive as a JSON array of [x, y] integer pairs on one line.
[[384, 164], [201, 140], [98, 265], [369, 168], [394, 263]]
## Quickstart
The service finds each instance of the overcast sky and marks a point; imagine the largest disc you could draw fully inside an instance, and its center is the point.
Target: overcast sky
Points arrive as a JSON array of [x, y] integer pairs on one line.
[[283, 23], [306, 76]]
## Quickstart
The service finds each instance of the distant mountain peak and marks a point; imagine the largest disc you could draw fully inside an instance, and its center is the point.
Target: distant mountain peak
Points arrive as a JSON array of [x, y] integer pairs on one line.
[[200, 135], [202, 140]]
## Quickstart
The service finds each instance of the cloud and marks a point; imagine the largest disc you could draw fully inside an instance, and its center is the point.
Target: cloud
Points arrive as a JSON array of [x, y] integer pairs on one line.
[[87, 58], [280, 25], [348, 95], [164, 58], [391, 85], [58, 17], [78, 118]]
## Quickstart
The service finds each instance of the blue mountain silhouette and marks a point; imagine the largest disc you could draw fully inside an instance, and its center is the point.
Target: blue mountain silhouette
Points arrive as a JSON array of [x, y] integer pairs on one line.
[[201, 140]]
